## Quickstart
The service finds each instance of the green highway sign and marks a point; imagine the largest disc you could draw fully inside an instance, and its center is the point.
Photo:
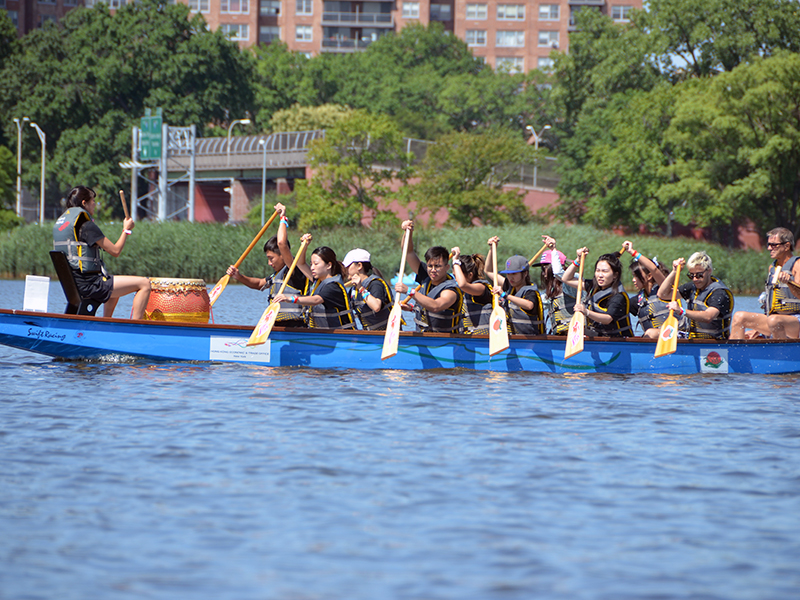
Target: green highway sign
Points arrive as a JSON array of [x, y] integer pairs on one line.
[[150, 140]]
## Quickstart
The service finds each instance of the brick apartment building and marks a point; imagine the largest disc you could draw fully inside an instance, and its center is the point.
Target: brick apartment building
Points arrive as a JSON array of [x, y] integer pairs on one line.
[[517, 36]]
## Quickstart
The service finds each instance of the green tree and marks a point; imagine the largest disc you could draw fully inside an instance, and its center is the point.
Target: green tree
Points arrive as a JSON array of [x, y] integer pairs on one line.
[[303, 118], [87, 82], [465, 173], [357, 167], [8, 178]]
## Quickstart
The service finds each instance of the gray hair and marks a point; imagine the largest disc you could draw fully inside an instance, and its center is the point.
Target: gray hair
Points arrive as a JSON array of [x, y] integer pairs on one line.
[[699, 259]]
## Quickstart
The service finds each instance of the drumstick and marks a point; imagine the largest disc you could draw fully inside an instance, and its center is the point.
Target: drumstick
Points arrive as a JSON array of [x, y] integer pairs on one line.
[[124, 206]]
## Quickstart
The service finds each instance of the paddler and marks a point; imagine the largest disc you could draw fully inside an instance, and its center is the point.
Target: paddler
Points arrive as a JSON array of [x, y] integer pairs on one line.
[[470, 276], [438, 303], [782, 318], [291, 315], [370, 295], [518, 296], [77, 235]]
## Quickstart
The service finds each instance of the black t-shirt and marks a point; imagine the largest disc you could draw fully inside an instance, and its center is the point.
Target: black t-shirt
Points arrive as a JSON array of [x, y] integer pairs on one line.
[[617, 305], [297, 281], [377, 288], [332, 297], [718, 299], [90, 233]]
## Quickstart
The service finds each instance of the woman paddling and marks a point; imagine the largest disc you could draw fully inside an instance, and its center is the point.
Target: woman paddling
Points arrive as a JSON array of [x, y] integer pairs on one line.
[[371, 298], [518, 295], [646, 305], [471, 279], [76, 235], [326, 301], [607, 306], [558, 300]]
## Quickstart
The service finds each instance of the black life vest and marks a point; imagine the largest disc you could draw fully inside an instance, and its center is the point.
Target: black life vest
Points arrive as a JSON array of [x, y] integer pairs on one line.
[[719, 328], [329, 318], [521, 321], [652, 311], [369, 318], [476, 315], [598, 302], [780, 299], [289, 311], [81, 256], [451, 319]]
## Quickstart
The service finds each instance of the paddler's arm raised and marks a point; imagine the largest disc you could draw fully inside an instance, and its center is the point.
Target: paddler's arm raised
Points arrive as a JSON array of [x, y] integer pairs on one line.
[[116, 249], [411, 257], [568, 277], [665, 289], [283, 235]]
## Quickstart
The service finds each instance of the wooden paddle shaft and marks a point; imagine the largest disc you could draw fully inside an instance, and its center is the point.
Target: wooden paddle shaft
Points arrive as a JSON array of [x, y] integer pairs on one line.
[[255, 239], [533, 260], [402, 270], [294, 263], [124, 206]]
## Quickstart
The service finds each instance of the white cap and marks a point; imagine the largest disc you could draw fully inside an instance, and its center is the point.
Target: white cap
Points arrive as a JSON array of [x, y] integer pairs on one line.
[[354, 256]]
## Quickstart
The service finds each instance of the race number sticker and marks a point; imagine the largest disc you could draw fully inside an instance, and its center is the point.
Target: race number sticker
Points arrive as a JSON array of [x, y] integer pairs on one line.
[[236, 349], [713, 361]]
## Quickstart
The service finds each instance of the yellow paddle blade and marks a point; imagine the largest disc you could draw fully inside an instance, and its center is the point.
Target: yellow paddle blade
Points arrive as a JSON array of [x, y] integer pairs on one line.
[[575, 335], [667, 337], [264, 326], [392, 336], [218, 289], [498, 331]]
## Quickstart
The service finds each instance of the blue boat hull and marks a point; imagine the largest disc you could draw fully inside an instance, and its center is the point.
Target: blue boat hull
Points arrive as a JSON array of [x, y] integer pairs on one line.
[[93, 338]]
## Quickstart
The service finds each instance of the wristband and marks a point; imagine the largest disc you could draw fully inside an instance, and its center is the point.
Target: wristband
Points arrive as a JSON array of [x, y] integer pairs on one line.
[[411, 293], [503, 294], [285, 221], [127, 231], [576, 263], [364, 293], [456, 262], [294, 299], [683, 311], [637, 255]]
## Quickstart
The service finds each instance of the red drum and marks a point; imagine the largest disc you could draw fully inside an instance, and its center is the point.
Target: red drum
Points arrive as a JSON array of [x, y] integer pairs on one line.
[[183, 300]]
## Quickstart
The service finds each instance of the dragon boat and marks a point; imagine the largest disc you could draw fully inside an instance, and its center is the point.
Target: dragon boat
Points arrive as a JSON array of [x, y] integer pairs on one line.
[[90, 338]]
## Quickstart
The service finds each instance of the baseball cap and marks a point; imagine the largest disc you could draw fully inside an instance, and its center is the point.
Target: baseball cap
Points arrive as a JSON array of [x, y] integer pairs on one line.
[[547, 258], [354, 256], [515, 264]]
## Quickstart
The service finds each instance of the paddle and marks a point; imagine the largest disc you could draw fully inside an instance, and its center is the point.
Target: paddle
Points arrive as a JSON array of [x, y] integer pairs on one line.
[[124, 206], [225, 278], [392, 336], [668, 336], [265, 323], [498, 329], [577, 323], [535, 256]]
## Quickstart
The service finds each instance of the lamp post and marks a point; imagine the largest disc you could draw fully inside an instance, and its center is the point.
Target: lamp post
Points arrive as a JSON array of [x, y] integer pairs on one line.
[[263, 142], [19, 161], [43, 139], [236, 122], [536, 147]]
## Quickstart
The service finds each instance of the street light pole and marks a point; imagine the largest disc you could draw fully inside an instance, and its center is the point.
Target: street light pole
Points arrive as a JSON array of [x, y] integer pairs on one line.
[[43, 139], [263, 179], [19, 161], [236, 122], [536, 147]]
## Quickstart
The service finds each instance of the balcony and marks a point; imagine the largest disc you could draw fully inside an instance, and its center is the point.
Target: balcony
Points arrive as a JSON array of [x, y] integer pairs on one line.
[[357, 19], [344, 44], [598, 3]]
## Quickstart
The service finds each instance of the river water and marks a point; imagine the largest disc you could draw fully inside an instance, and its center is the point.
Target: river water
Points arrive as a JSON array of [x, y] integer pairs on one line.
[[223, 481]]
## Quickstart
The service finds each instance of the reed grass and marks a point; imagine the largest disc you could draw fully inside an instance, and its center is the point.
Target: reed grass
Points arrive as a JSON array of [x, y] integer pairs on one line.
[[204, 250]]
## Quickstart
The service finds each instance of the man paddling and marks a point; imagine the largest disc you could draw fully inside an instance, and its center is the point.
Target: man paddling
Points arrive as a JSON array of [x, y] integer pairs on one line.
[[782, 318], [291, 315], [439, 300]]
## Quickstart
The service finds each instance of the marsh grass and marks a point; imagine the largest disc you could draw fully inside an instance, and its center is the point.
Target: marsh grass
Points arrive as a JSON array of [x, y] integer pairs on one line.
[[204, 250]]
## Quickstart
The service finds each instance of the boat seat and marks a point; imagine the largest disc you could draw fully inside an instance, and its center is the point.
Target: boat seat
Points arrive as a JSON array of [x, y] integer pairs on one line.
[[75, 304]]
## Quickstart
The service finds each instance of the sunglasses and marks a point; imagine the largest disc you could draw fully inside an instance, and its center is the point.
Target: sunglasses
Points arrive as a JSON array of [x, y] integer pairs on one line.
[[771, 245], [696, 275]]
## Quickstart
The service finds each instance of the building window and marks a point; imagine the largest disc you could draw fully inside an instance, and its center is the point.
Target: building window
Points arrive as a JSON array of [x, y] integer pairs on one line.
[[89, 3], [477, 12], [115, 3], [441, 12], [14, 16], [548, 39], [201, 6], [510, 39], [510, 64], [70, 3], [236, 33], [620, 14], [268, 34], [302, 33], [47, 1], [234, 7], [268, 8], [476, 37], [511, 12], [304, 7], [545, 64], [411, 10], [548, 12], [2, 3]]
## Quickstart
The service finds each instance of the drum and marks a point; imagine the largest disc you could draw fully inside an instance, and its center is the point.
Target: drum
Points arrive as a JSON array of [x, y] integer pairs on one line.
[[184, 300]]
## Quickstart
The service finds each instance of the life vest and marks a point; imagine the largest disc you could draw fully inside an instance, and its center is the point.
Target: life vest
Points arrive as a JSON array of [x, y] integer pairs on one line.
[[598, 302], [524, 322], [369, 318], [477, 315], [82, 257], [780, 299], [451, 319], [562, 309], [289, 311], [329, 318], [652, 311], [719, 328]]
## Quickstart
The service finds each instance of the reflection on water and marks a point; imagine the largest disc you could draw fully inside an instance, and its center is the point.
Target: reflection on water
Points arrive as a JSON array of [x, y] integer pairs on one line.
[[246, 482]]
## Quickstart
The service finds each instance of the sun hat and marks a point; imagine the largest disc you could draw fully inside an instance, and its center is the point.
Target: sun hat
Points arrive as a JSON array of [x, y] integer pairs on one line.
[[547, 258], [515, 264], [354, 256]]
